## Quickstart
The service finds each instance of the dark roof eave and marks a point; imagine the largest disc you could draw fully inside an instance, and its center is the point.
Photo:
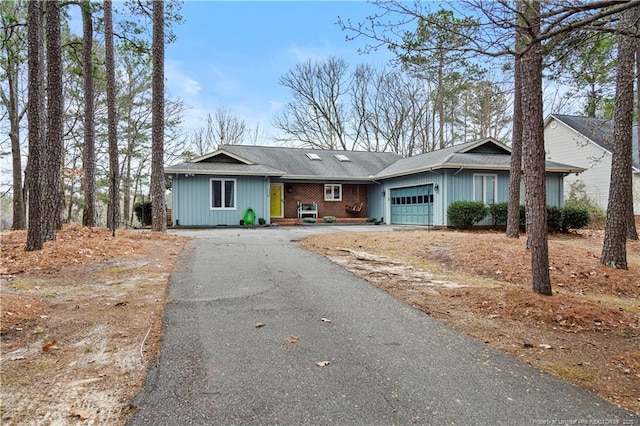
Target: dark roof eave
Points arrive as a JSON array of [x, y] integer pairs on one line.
[[219, 173], [473, 166], [328, 178]]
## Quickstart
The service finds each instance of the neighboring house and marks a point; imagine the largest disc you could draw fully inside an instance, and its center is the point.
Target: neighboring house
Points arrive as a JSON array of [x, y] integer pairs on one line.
[[218, 188], [588, 143]]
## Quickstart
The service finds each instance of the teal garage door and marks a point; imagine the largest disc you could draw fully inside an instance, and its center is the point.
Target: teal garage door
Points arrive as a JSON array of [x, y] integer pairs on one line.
[[412, 205]]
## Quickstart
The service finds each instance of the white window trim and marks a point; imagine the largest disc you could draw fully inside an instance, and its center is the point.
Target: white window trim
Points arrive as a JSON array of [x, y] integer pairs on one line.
[[484, 186], [235, 195], [332, 185]]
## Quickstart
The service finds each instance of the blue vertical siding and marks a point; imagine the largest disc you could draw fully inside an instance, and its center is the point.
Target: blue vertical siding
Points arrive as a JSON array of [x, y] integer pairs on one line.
[[191, 200], [455, 185]]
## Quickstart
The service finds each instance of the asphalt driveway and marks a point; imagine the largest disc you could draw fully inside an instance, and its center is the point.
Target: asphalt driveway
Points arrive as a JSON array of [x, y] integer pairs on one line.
[[388, 363]]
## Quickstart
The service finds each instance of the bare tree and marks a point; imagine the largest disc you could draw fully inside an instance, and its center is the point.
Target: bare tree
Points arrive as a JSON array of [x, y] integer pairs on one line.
[[228, 129], [159, 213], [36, 117], [614, 251], [113, 211], [316, 115], [52, 199]]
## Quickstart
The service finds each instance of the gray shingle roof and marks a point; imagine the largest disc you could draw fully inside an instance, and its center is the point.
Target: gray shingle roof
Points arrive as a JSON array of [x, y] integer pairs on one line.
[[484, 154], [599, 131], [223, 169], [294, 164]]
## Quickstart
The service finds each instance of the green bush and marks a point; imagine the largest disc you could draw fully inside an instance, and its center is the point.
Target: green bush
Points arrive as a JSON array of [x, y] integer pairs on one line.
[[465, 214], [499, 212], [329, 219], [143, 212], [371, 219], [575, 217], [309, 219], [261, 221]]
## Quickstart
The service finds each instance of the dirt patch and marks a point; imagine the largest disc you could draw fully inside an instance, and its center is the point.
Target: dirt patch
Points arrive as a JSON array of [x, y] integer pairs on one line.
[[479, 283], [80, 323]]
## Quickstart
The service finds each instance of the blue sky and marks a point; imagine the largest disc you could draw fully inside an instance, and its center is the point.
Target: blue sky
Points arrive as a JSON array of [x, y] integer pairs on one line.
[[231, 54]]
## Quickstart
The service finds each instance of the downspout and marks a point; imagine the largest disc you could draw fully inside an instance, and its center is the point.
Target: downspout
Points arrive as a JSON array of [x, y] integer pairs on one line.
[[175, 204], [384, 202]]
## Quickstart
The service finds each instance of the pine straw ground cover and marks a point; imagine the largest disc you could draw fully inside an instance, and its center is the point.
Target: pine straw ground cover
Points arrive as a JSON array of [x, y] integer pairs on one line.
[[80, 323], [479, 283], [81, 318]]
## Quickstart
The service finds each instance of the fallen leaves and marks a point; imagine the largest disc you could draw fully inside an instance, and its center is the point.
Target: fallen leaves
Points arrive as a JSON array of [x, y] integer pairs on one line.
[[259, 325], [292, 339], [50, 346], [325, 320], [322, 363]]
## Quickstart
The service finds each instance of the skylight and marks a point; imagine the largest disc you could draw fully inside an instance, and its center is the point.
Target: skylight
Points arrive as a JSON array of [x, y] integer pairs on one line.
[[314, 157], [342, 158]]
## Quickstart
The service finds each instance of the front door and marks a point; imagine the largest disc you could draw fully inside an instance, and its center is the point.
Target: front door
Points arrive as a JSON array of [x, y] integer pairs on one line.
[[276, 194]]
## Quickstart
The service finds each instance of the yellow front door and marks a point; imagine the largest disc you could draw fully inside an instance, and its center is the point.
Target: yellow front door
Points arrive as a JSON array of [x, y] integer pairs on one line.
[[277, 199]]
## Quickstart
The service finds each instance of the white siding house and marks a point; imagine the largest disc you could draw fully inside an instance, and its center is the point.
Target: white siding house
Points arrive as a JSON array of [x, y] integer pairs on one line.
[[587, 142]]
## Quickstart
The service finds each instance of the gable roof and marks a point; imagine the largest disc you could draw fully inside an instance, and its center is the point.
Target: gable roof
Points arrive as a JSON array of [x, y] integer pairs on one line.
[[488, 154], [362, 166], [599, 131], [288, 163]]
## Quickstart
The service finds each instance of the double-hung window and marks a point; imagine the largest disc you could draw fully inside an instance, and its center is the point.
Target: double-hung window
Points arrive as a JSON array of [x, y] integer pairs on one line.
[[332, 192], [223, 194], [485, 188]]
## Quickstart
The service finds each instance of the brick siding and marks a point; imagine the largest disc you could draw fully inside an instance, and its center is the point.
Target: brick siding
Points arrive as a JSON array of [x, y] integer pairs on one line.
[[309, 192]]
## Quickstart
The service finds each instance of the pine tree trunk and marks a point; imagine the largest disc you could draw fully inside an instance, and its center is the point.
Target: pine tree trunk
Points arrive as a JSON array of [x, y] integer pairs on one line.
[[614, 251], [52, 197], [113, 210], [158, 211], [515, 169], [534, 156], [19, 213], [35, 114], [90, 214]]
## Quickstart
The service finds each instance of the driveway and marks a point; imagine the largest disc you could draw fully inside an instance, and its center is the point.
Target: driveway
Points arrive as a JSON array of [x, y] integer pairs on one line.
[[388, 363]]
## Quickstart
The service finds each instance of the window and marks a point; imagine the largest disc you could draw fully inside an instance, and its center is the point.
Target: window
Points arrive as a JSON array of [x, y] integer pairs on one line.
[[332, 192], [223, 194], [342, 158], [485, 188], [313, 157]]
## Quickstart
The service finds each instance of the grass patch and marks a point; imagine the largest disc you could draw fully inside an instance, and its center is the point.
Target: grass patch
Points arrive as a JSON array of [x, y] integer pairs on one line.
[[572, 372], [22, 284]]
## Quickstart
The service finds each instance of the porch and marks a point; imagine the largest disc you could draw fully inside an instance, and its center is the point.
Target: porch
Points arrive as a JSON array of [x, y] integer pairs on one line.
[[292, 221]]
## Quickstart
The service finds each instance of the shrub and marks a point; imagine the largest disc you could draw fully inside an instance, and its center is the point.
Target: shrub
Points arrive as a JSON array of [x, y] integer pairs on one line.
[[578, 197], [575, 217], [465, 214], [261, 221], [309, 219], [143, 213], [498, 212], [371, 219], [329, 219], [554, 218]]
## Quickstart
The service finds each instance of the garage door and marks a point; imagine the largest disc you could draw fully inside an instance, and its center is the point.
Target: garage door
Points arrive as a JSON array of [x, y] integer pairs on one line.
[[412, 205]]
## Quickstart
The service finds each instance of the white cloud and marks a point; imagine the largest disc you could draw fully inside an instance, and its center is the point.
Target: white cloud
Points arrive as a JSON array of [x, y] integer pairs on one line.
[[178, 81]]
